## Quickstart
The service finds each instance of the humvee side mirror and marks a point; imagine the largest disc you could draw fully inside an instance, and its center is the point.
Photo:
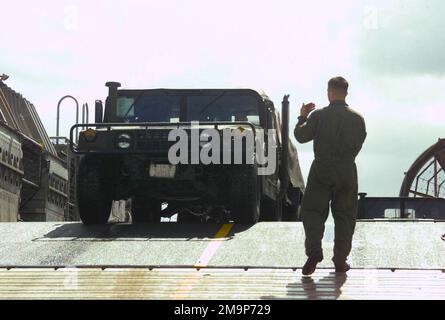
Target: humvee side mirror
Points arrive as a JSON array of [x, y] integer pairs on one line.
[[99, 110]]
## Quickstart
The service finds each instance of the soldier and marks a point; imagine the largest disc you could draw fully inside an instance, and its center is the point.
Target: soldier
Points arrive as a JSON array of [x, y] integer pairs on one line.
[[338, 133]]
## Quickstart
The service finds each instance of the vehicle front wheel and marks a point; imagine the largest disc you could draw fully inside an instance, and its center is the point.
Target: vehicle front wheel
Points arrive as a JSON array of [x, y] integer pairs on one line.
[[291, 211], [271, 210], [94, 197], [245, 198]]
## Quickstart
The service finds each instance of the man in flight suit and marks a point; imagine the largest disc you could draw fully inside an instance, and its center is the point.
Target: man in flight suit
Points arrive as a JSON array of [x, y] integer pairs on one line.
[[338, 133]]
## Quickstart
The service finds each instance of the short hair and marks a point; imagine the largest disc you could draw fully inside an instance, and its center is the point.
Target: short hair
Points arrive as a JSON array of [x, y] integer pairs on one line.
[[338, 84]]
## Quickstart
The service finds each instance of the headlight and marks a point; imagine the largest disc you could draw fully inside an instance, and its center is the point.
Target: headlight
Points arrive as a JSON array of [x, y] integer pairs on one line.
[[89, 134], [124, 141]]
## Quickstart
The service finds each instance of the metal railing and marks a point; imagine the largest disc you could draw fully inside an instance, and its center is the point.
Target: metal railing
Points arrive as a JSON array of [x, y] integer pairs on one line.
[[401, 208]]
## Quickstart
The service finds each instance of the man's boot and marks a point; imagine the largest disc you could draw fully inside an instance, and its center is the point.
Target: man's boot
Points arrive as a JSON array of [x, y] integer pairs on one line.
[[341, 266], [310, 266]]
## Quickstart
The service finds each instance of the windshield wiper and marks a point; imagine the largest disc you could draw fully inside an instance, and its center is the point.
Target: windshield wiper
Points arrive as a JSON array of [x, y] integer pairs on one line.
[[132, 105]]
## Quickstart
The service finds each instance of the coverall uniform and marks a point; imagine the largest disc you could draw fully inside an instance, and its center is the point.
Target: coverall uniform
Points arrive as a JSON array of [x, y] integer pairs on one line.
[[338, 132]]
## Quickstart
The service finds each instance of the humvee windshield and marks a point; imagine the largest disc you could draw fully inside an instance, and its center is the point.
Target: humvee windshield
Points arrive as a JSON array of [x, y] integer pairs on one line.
[[180, 108]]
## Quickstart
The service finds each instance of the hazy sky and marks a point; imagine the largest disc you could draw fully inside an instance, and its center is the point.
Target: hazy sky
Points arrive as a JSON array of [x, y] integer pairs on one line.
[[390, 51]]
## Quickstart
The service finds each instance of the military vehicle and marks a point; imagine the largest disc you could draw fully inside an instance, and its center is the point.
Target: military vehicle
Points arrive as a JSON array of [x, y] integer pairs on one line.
[[124, 155]]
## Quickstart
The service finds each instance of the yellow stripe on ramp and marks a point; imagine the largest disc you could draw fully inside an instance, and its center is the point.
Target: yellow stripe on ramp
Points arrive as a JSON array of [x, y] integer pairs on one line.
[[213, 246], [203, 261]]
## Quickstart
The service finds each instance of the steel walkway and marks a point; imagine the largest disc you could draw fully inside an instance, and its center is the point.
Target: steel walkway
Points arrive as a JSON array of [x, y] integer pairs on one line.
[[143, 283]]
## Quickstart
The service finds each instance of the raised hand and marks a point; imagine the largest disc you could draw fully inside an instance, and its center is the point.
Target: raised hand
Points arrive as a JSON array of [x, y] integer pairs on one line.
[[306, 109]]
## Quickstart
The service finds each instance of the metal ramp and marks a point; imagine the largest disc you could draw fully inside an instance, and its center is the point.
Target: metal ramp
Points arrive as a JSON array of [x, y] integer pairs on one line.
[[173, 261]]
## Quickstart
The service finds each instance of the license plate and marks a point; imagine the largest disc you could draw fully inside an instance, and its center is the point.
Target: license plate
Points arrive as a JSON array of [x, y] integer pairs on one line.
[[162, 170]]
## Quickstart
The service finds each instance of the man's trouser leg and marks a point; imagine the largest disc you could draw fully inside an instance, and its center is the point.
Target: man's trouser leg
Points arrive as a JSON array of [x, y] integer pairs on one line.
[[344, 210], [314, 212]]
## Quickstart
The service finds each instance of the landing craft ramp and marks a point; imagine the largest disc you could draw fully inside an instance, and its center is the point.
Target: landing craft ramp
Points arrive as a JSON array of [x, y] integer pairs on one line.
[[391, 260]]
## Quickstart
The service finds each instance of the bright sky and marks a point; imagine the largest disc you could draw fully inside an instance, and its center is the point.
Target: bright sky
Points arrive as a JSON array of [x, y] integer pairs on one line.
[[390, 51]]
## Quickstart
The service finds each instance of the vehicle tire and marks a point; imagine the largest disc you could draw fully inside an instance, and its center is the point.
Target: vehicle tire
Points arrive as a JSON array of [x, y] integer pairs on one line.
[[94, 195], [145, 210], [245, 198], [291, 213], [271, 210]]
